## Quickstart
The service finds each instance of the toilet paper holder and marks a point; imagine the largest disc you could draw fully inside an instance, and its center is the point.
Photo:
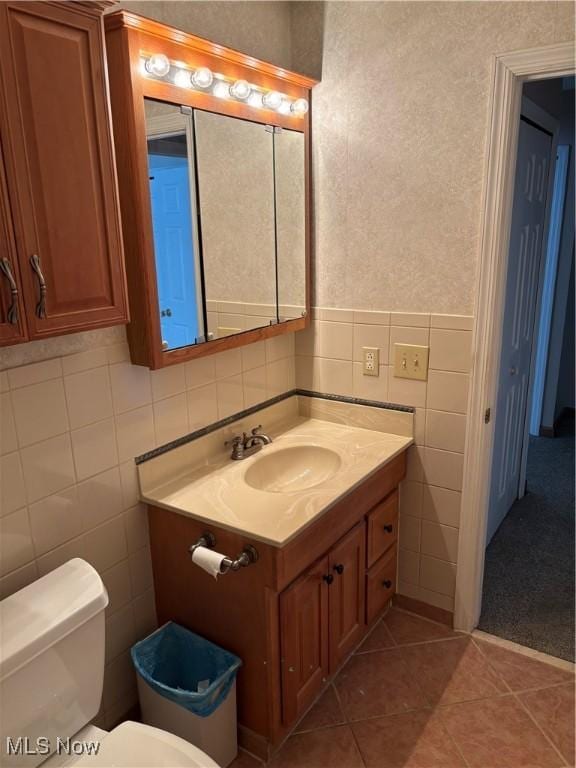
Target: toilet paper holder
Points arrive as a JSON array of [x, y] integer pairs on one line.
[[248, 555]]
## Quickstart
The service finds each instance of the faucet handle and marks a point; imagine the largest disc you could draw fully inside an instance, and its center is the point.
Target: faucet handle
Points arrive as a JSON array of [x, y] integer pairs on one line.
[[236, 440], [257, 429]]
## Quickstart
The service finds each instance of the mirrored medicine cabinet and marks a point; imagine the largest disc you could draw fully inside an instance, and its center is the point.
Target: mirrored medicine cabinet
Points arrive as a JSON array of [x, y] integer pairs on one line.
[[215, 193]]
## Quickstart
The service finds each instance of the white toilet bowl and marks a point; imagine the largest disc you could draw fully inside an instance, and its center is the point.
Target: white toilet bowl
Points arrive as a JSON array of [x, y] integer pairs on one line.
[[51, 680], [133, 745]]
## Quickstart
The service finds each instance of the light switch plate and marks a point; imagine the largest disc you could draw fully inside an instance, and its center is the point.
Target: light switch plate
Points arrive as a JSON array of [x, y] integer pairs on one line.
[[371, 361], [411, 361]]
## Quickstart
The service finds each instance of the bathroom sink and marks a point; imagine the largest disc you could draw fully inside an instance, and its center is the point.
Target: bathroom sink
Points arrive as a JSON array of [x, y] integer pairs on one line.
[[292, 469]]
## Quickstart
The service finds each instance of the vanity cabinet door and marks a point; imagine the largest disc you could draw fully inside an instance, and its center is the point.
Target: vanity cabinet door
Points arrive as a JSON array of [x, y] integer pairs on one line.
[[57, 141], [347, 595], [304, 639], [12, 321]]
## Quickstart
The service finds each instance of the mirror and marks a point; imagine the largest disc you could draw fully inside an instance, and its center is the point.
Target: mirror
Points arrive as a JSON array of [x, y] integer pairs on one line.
[[173, 204], [290, 184], [236, 201], [228, 203]]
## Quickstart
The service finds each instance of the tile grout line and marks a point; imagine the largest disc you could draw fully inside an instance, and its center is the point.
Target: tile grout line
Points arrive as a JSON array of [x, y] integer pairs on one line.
[[520, 703], [539, 727], [410, 645], [452, 739]]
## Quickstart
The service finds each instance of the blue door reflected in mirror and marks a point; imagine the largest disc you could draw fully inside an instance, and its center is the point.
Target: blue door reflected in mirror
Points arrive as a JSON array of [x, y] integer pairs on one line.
[[173, 241]]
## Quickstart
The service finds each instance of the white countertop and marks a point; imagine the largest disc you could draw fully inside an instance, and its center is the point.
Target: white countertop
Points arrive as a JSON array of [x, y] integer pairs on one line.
[[216, 492]]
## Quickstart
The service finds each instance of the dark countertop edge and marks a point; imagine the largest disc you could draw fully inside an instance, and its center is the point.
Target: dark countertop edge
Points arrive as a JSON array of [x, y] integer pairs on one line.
[[155, 452]]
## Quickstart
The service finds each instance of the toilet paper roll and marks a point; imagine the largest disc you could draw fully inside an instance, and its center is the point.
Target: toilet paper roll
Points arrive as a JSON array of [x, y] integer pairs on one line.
[[208, 560]]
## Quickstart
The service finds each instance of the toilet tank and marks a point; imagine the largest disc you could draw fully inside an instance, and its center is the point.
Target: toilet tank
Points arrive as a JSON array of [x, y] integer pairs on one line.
[[51, 662]]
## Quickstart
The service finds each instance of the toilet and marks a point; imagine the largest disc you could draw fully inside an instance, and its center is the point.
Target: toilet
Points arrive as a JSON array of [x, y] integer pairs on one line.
[[51, 679]]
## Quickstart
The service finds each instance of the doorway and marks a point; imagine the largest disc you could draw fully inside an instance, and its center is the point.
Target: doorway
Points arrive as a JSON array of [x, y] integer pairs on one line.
[[528, 590], [511, 73]]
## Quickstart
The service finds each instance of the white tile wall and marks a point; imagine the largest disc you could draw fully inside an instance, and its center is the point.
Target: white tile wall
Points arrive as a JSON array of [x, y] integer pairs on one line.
[[327, 359], [70, 428]]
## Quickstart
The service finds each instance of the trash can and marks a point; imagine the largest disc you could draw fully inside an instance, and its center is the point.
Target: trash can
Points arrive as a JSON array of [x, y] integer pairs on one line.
[[187, 686]]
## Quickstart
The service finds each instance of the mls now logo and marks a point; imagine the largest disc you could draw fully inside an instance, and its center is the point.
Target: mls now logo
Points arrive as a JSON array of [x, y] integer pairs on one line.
[[23, 745]]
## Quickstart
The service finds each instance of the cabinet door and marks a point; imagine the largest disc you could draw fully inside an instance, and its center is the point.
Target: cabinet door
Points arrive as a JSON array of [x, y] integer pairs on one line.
[[60, 166], [12, 321], [347, 594], [304, 639]]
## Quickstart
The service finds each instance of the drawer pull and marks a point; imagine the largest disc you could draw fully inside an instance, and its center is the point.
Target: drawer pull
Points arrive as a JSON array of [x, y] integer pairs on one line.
[[328, 578], [41, 305], [388, 528], [387, 583], [339, 569], [12, 314]]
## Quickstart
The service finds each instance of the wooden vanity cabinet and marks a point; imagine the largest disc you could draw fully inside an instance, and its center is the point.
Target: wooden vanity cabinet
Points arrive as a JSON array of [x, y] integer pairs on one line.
[[295, 615], [304, 639], [55, 131], [347, 593]]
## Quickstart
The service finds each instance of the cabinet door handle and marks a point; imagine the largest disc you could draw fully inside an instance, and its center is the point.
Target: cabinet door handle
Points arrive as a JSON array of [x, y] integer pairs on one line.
[[41, 306], [328, 578], [12, 314], [388, 528], [339, 569], [387, 583]]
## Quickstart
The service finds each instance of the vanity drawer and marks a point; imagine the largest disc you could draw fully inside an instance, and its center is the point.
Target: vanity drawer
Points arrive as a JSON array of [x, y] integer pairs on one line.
[[380, 585], [382, 527]]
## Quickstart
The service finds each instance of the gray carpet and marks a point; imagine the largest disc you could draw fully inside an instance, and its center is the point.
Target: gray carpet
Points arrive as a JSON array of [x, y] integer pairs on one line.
[[529, 575]]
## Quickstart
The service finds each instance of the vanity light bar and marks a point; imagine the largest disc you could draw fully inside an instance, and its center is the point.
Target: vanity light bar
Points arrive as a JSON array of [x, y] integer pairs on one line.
[[159, 66]]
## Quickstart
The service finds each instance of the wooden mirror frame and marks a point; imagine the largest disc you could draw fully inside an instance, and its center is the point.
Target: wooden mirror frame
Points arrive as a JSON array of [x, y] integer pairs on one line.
[[128, 37]]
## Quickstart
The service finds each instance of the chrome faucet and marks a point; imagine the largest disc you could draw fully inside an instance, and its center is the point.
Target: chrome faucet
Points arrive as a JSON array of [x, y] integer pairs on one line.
[[245, 445]]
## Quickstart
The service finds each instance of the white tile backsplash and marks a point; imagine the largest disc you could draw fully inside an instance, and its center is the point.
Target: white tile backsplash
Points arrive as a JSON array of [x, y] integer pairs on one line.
[[94, 448], [88, 396], [55, 520], [8, 437], [68, 486], [430, 496], [40, 411], [75, 493], [48, 467], [12, 488]]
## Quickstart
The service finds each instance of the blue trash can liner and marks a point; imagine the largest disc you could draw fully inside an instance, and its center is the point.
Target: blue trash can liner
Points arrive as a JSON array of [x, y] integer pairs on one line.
[[174, 661]]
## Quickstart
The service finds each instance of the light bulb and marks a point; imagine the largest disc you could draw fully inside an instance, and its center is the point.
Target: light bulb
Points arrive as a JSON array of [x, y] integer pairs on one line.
[[255, 99], [299, 107], [285, 108], [241, 90], [202, 77], [182, 79], [158, 65], [272, 100], [221, 90]]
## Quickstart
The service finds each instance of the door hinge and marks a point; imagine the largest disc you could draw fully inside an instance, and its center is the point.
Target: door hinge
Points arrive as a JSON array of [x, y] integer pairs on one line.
[[487, 414]]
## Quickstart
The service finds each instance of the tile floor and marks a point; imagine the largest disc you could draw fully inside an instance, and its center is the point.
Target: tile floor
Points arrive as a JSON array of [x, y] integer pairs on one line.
[[417, 695]]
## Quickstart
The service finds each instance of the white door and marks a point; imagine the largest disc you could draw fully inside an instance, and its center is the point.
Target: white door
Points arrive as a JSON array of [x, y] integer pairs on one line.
[[528, 216]]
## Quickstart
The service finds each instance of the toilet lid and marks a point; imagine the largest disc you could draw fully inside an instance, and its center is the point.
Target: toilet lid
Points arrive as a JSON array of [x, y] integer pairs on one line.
[[134, 745]]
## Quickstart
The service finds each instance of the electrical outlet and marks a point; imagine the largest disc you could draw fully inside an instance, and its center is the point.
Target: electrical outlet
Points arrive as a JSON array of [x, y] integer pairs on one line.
[[411, 361], [371, 357]]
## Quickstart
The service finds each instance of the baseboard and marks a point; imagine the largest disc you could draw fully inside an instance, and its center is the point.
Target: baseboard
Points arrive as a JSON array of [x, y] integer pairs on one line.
[[441, 615], [547, 431], [253, 742], [553, 430]]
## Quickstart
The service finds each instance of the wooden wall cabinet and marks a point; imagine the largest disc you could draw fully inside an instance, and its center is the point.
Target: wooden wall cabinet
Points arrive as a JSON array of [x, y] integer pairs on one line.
[[12, 320], [60, 217], [295, 615], [131, 40]]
